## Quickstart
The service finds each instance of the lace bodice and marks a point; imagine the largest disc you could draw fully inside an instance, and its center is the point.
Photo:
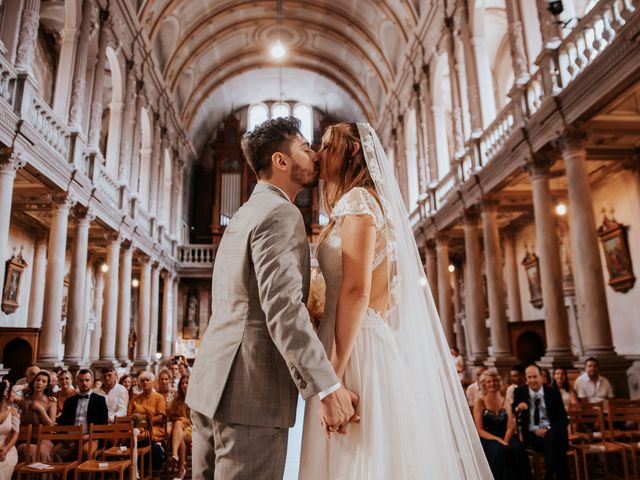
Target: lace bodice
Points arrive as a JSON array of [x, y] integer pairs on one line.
[[359, 201]]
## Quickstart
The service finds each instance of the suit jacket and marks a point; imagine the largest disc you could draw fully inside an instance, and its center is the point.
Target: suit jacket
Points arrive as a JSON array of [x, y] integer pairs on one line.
[[260, 348], [553, 401], [97, 411]]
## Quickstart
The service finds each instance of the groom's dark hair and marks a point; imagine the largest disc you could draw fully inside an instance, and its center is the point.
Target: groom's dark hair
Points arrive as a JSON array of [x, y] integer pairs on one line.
[[266, 139]]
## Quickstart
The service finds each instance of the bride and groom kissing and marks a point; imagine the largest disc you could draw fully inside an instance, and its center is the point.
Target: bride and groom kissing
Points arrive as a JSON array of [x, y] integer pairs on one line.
[[383, 399]]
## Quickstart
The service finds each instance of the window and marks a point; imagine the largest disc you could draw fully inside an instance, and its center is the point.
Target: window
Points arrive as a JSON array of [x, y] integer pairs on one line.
[[305, 115], [257, 114], [280, 110]]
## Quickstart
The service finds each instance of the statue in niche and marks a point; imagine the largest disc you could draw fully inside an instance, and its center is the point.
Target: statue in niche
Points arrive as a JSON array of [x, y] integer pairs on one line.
[[190, 330]]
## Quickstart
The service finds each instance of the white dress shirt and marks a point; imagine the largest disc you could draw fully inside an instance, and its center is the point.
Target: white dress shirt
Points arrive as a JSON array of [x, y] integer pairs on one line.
[[593, 391], [544, 416], [117, 401], [81, 411]]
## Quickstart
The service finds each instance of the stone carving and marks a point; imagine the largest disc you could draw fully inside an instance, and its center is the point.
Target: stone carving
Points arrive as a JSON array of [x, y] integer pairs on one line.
[[28, 35]]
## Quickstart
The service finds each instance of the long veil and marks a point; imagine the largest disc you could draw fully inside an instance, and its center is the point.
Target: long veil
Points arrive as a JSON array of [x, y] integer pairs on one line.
[[432, 376]]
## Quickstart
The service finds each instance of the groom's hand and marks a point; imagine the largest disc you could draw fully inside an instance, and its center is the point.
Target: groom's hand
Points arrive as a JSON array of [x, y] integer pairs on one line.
[[338, 409]]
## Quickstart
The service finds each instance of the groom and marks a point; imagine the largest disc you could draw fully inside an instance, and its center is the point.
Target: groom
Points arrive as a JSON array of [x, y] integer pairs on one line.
[[260, 349]]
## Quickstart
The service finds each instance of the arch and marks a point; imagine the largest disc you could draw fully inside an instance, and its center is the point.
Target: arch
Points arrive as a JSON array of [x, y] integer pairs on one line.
[[112, 155], [145, 157], [185, 85], [304, 113], [257, 114], [166, 40], [529, 347], [280, 109], [17, 356], [441, 95], [411, 145], [392, 44]]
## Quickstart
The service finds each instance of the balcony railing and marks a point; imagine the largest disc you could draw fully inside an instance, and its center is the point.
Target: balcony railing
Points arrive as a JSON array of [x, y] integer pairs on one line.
[[42, 118], [197, 255], [7, 80], [495, 135]]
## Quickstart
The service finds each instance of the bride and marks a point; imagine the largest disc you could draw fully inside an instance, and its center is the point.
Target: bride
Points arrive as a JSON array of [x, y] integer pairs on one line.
[[382, 333]]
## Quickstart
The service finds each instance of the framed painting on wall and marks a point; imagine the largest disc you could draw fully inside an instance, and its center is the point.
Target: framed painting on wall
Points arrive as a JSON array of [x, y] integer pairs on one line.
[[532, 267], [15, 268], [613, 236]]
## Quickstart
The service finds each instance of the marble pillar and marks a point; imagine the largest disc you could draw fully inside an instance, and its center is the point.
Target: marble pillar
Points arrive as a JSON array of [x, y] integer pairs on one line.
[[95, 119], [474, 297], [174, 325], [124, 304], [471, 70], [80, 79], [445, 299], [431, 257], [9, 164], [511, 277], [98, 303], [167, 314], [154, 310], [144, 313], [110, 307], [547, 246], [36, 294], [77, 323], [501, 355], [515, 29], [50, 334]]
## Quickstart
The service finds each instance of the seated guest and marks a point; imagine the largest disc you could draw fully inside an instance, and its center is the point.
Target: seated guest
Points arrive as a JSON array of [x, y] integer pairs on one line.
[[543, 422], [125, 381], [150, 403], [561, 382], [516, 379], [164, 387], [9, 430], [496, 426], [39, 407], [184, 369], [66, 389], [84, 408], [473, 390], [180, 415], [458, 361], [31, 372], [174, 367], [591, 387], [135, 388], [116, 395], [546, 376]]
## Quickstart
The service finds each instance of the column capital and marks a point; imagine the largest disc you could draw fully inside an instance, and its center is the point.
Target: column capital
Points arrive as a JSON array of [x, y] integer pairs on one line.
[[471, 215], [82, 214], [113, 237], [571, 139], [539, 165], [127, 244], [144, 259], [442, 237], [166, 275], [10, 161], [489, 203], [62, 201]]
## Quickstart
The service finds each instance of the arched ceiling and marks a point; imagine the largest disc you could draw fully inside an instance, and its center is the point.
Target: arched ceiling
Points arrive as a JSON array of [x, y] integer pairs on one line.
[[214, 56]]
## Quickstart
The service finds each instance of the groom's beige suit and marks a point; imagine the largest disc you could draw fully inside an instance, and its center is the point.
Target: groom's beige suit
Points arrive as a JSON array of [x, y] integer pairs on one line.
[[259, 349]]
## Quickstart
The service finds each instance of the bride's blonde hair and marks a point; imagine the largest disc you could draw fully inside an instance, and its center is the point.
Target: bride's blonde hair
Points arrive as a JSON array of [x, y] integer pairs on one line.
[[343, 146]]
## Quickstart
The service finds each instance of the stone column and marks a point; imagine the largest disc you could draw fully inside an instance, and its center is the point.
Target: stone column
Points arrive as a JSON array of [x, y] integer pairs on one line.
[[474, 298], [155, 298], [556, 324], [511, 277], [589, 281], [36, 299], [137, 138], [28, 36], [98, 302], [80, 81], [431, 257], [471, 71], [49, 342], [445, 300], [9, 164], [76, 329], [501, 356], [155, 168], [174, 334], [519, 58], [110, 308], [95, 121], [421, 154], [549, 26], [429, 127], [144, 312], [461, 342], [124, 304], [167, 314]]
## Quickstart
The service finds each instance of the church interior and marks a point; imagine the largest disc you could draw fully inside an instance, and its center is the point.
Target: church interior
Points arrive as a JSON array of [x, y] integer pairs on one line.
[[513, 127]]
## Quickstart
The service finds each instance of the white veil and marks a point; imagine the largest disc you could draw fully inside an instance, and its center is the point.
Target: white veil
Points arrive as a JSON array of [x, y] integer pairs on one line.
[[446, 424]]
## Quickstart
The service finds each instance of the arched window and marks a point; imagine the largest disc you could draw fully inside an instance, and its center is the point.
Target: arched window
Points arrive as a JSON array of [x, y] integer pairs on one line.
[[305, 115], [280, 110], [257, 114]]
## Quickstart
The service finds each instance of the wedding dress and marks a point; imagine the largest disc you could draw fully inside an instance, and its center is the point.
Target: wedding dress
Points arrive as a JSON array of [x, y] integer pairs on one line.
[[415, 422]]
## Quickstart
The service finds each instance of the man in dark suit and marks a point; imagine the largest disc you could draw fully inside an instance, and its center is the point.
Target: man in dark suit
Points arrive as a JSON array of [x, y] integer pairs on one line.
[[84, 408], [543, 422]]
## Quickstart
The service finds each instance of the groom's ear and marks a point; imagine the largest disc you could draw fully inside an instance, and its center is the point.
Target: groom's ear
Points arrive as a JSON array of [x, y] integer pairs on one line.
[[356, 149], [279, 161]]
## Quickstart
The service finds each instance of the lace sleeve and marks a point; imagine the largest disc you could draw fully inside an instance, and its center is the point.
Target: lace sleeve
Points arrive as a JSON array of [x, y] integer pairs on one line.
[[358, 201]]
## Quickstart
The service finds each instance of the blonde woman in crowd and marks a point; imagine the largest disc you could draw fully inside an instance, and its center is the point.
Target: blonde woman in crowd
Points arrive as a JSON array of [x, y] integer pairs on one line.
[[150, 403], [66, 390]]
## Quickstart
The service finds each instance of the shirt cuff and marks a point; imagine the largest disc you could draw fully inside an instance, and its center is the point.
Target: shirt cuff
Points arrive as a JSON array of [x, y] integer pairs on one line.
[[328, 391]]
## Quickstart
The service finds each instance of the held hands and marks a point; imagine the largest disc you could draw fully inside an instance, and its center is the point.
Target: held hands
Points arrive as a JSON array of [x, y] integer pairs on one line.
[[337, 410], [521, 407]]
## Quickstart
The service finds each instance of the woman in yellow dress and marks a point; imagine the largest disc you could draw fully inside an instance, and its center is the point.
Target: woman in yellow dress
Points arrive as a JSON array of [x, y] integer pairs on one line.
[[180, 415]]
